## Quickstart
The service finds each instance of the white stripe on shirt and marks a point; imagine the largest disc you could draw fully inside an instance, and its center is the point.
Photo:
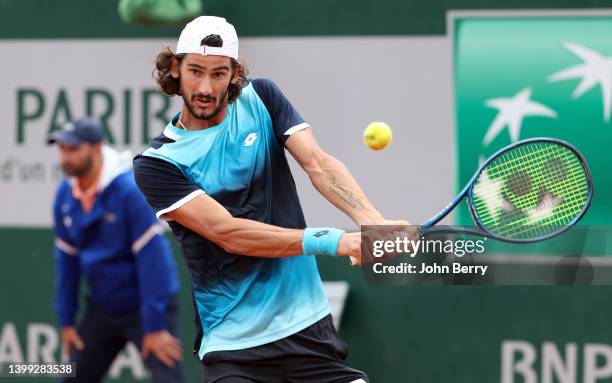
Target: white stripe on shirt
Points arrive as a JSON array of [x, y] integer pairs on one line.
[[66, 248], [170, 134], [296, 128], [179, 203], [146, 237]]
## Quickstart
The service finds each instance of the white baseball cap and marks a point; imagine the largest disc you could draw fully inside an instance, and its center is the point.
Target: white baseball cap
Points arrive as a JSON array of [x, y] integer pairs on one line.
[[191, 37]]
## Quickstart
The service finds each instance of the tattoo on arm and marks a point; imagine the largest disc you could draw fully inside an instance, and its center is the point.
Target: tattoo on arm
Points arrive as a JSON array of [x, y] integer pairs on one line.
[[345, 195]]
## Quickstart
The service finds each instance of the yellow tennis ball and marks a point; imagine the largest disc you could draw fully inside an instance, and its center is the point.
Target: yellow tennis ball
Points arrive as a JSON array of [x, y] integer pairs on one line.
[[377, 135]]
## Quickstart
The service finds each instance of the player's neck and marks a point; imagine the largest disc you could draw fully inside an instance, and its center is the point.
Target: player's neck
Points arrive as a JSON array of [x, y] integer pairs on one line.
[[188, 122]]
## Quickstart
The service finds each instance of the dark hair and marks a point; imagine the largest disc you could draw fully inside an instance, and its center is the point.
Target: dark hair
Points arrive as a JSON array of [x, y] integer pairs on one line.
[[171, 86]]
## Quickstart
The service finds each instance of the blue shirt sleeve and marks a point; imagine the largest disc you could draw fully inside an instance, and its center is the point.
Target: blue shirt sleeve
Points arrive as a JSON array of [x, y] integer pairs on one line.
[[285, 118], [163, 184], [68, 267], [155, 266]]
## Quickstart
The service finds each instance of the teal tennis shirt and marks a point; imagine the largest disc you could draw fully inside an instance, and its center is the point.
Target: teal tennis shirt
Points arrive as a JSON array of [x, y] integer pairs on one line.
[[240, 301]]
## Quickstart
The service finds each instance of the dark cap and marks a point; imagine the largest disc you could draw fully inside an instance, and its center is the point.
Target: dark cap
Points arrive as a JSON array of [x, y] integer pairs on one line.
[[76, 132]]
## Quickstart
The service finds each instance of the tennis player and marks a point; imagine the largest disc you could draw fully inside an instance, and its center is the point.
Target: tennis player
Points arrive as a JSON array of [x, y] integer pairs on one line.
[[106, 234], [219, 175]]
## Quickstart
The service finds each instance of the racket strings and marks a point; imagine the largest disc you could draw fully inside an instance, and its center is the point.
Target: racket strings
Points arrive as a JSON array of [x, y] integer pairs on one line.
[[540, 195], [544, 202], [531, 191]]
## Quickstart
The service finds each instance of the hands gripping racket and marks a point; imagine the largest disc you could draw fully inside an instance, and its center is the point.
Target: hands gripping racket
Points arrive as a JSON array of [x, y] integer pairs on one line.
[[528, 191]]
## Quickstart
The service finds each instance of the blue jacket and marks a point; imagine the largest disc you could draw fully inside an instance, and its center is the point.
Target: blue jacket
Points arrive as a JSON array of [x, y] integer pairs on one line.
[[118, 247]]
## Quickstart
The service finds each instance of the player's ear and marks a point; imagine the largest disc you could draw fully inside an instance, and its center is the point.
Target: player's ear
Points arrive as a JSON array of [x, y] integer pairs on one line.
[[174, 67], [236, 67]]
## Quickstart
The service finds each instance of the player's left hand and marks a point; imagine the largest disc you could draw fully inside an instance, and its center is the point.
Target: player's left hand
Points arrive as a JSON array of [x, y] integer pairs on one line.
[[163, 346], [385, 230]]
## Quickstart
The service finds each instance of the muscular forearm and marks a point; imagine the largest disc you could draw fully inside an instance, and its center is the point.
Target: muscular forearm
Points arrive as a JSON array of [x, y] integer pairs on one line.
[[247, 237], [256, 239], [236, 235], [333, 180], [211, 220]]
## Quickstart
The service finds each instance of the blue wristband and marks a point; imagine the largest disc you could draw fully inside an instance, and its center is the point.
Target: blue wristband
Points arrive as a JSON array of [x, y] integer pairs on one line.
[[321, 241]]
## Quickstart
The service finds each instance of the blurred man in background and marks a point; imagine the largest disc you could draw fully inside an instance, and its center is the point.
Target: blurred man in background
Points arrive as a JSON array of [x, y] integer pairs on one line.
[[105, 232]]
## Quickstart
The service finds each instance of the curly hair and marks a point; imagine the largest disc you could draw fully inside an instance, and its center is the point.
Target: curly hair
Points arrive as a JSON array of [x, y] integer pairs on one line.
[[172, 86]]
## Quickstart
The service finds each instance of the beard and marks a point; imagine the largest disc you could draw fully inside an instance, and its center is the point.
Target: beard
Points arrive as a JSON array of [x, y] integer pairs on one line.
[[78, 170], [221, 102]]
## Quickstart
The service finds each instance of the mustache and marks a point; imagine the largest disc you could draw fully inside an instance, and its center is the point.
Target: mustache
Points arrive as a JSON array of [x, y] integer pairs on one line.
[[202, 97]]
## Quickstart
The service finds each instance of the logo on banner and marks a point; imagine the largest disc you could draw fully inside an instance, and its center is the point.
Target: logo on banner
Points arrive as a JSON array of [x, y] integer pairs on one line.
[[520, 77], [595, 71]]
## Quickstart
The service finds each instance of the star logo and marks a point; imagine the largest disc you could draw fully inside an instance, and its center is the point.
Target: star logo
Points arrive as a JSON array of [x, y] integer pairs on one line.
[[512, 111], [595, 70]]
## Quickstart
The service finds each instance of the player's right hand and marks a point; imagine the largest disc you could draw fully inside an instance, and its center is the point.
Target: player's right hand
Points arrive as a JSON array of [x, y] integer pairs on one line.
[[350, 246], [70, 339]]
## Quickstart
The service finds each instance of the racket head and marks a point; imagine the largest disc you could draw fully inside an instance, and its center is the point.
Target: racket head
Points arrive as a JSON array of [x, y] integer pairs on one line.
[[531, 190]]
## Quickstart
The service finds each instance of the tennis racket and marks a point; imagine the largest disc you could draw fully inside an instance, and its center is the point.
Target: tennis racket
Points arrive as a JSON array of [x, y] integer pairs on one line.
[[529, 191]]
